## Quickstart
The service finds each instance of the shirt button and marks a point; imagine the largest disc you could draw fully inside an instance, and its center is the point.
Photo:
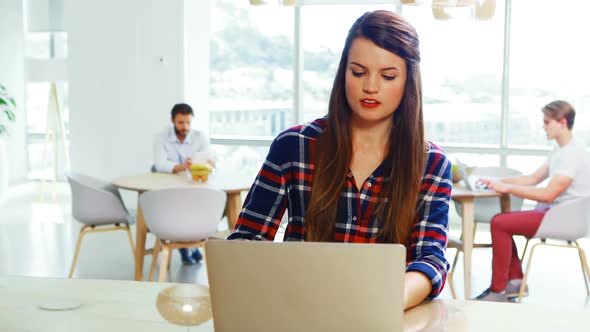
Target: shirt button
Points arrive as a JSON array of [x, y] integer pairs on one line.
[[354, 218], [369, 184]]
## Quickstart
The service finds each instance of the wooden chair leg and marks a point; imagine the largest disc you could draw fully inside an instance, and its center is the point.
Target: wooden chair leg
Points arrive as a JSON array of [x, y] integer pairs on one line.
[[526, 274], [526, 245], [202, 247], [164, 263], [155, 254], [128, 230], [585, 271], [450, 274], [78, 245]]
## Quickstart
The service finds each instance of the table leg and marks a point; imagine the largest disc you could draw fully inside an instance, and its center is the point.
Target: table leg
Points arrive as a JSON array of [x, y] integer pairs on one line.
[[234, 206], [141, 233], [505, 203], [467, 224]]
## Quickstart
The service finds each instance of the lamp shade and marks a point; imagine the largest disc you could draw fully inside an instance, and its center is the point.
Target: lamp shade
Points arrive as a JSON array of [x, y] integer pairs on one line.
[[415, 2], [440, 13], [452, 3], [485, 9], [266, 2]]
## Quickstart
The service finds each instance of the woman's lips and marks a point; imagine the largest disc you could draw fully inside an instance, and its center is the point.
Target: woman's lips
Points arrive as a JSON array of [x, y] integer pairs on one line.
[[369, 103]]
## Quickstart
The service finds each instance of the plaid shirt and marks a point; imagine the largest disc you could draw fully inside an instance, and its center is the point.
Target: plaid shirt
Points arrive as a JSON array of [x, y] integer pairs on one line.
[[285, 181]]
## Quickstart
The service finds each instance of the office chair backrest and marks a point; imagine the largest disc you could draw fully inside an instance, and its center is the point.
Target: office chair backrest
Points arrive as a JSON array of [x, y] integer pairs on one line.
[[568, 221], [183, 214], [95, 202]]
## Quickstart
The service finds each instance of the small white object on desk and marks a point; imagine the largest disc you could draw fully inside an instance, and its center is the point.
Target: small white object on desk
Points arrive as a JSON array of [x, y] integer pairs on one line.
[[60, 305]]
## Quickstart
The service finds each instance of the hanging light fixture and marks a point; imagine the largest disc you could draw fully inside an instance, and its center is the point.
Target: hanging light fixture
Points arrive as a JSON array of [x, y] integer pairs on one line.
[[484, 9], [446, 9], [416, 2], [268, 2], [452, 3], [440, 13]]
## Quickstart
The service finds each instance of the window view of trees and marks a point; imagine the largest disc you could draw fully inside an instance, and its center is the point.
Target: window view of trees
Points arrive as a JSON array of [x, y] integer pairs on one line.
[[547, 62], [251, 73], [252, 78], [461, 75]]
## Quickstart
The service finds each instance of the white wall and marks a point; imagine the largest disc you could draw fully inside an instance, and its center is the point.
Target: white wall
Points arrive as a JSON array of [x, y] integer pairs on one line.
[[12, 76], [126, 70]]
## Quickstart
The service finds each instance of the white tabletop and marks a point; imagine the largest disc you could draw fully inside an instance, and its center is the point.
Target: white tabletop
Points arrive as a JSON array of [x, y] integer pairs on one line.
[[227, 182], [108, 305]]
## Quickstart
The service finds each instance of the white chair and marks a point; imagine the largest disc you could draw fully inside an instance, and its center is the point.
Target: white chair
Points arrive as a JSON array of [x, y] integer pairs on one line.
[[98, 205], [484, 208], [180, 218], [568, 221]]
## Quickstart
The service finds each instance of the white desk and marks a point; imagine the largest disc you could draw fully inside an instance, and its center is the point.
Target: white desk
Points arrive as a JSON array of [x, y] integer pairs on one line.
[[466, 197], [232, 184], [131, 306]]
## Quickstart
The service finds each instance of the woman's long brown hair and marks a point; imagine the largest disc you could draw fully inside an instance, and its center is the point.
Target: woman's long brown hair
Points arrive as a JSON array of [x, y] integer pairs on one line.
[[396, 211]]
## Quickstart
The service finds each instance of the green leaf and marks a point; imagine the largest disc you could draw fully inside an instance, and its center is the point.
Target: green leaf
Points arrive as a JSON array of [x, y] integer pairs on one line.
[[3, 102], [13, 102], [10, 115]]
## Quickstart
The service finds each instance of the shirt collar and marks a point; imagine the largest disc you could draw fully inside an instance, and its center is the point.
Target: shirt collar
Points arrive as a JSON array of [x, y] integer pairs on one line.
[[173, 139], [377, 175]]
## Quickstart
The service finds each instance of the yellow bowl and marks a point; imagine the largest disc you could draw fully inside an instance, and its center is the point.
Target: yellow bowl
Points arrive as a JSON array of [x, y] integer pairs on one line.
[[200, 177], [200, 168], [200, 172]]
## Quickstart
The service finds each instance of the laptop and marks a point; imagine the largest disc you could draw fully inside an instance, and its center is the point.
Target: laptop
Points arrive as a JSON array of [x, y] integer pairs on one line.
[[471, 182], [268, 286]]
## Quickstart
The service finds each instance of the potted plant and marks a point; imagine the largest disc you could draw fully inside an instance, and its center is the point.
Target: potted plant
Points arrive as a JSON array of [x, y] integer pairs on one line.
[[7, 107]]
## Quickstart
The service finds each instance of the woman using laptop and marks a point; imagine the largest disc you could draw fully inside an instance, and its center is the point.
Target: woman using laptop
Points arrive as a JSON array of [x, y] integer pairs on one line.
[[567, 169], [364, 173]]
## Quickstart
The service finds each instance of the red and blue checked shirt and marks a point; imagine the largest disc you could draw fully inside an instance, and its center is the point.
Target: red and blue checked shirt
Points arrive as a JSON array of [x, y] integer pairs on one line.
[[284, 182]]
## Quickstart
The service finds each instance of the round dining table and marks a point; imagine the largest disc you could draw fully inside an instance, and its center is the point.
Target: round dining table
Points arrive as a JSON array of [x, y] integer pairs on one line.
[[233, 184]]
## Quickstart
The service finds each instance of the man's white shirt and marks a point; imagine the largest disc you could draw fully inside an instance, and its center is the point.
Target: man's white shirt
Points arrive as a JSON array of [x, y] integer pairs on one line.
[[571, 160], [169, 151]]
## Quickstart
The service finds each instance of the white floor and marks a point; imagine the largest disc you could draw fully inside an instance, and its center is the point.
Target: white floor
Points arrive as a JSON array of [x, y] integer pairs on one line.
[[37, 238]]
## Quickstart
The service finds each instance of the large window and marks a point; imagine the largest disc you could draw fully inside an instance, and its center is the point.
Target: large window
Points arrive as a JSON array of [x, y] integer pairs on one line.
[[484, 78], [461, 74], [46, 45], [548, 61], [45, 149], [251, 78]]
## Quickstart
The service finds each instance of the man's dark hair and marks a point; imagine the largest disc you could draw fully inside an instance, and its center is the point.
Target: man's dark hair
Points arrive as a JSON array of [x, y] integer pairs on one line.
[[182, 109]]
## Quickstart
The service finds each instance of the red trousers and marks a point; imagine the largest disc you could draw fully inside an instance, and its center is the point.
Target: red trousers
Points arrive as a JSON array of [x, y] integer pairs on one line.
[[505, 262]]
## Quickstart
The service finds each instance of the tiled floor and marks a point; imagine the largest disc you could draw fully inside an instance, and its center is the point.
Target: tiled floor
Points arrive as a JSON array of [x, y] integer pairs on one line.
[[37, 238]]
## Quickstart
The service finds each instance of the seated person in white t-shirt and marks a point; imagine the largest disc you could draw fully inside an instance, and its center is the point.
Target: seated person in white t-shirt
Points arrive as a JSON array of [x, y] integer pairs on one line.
[[567, 169], [173, 150]]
